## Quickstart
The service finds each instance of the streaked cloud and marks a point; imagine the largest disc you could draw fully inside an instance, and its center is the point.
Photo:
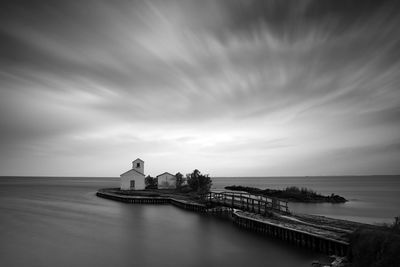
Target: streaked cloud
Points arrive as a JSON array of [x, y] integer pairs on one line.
[[229, 87]]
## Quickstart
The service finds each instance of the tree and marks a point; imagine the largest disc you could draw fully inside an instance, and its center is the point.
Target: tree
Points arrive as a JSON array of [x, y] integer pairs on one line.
[[193, 179], [199, 182], [150, 182], [204, 183], [179, 180]]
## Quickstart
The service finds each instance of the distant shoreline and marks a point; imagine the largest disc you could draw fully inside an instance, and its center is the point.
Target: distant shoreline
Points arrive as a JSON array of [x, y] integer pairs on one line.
[[218, 177]]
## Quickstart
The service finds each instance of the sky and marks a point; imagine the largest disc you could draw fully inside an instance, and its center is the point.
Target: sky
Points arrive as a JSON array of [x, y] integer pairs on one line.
[[232, 88]]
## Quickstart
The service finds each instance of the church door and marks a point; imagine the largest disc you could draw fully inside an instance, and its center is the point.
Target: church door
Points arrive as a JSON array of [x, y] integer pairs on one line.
[[132, 184]]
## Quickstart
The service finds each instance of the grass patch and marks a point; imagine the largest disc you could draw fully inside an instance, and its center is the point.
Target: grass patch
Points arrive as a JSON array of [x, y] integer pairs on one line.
[[376, 248]]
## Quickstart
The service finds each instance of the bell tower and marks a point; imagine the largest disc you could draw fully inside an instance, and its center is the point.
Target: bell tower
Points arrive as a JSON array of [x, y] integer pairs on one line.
[[138, 165]]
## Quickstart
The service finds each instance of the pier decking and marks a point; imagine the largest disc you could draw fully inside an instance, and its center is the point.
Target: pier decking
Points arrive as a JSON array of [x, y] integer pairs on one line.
[[313, 237], [245, 201]]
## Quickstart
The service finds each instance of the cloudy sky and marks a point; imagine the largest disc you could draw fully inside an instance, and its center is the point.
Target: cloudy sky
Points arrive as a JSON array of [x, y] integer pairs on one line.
[[233, 88]]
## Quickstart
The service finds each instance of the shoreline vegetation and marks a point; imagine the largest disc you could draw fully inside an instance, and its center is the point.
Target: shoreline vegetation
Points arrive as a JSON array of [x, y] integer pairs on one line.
[[379, 247], [292, 194]]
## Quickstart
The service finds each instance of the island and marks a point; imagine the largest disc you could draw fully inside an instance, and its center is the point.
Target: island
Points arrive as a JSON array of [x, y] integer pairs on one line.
[[292, 194]]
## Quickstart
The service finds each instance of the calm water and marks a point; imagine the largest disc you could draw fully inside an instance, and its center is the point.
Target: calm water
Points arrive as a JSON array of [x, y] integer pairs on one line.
[[60, 222], [372, 199]]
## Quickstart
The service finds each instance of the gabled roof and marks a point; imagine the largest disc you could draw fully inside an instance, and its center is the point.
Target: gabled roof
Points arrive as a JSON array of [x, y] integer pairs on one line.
[[138, 159], [132, 170], [165, 173]]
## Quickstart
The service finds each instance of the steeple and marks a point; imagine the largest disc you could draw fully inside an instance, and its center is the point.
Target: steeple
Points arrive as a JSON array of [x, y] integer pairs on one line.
[[138, 165]]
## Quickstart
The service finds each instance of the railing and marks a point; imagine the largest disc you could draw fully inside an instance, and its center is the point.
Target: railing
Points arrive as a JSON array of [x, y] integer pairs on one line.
[[245, 201]]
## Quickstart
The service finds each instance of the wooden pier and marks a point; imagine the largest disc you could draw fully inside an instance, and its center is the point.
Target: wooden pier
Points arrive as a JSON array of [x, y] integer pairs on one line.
[[254, 203], [248, 211], [315, 240], [245, 207]]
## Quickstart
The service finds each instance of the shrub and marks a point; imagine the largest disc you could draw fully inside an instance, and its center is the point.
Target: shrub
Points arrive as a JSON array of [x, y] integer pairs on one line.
[[150, 182], [179, 180], [303, 191], [198, 181], [377, 248], [185, 189]]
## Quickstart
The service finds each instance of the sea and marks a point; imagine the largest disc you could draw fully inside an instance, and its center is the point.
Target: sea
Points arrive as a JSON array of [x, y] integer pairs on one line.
[[59, 221], [371, 199]]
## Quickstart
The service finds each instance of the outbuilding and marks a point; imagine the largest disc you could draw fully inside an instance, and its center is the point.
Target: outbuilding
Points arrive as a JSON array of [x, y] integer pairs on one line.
[[134, 178], [166, 181]]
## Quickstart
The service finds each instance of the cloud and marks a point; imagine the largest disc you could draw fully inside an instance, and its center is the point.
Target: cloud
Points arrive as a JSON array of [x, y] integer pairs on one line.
[[254, 79]]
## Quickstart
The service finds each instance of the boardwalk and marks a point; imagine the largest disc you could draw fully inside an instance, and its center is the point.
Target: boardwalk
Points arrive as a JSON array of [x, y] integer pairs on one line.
[[247, 202], [249, 211], [313, 237]]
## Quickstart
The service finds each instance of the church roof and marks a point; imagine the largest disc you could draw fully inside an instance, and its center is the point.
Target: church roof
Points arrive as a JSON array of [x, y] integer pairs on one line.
[[138, 159], [134, 171]]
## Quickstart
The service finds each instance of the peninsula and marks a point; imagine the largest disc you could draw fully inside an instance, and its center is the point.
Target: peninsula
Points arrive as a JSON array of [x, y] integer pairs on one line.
[[292, 194]]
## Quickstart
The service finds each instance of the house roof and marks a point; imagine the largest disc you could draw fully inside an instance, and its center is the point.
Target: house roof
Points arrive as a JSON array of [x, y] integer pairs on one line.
[[138, 159], [165, 173], [132, 170]]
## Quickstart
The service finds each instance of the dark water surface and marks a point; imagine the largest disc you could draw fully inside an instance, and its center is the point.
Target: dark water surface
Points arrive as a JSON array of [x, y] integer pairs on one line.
[[372, 199], [60, 222]]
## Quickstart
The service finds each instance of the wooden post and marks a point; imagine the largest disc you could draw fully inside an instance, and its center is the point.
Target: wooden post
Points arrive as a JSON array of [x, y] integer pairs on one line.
[[265, 208]]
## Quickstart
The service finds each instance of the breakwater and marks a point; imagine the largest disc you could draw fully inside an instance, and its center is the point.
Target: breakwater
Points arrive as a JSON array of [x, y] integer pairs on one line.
[[316, 237]]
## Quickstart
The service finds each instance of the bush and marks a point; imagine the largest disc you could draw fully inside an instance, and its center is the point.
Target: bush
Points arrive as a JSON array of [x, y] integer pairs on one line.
[[179, 180], [150, 182], [375, 248], [302, 191], [185, 189], [199, 182]]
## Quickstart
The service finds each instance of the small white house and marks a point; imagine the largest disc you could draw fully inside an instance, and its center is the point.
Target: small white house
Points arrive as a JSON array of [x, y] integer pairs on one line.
[[166, 181], [134, 178]]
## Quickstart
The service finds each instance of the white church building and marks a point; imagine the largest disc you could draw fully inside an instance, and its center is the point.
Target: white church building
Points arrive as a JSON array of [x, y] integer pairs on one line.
[[134, 178]]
